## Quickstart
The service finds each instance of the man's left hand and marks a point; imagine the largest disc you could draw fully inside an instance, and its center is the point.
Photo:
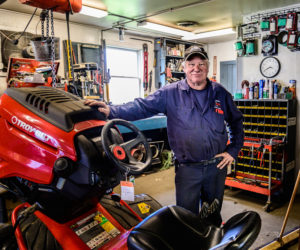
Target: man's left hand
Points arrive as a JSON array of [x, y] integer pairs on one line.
[[227, 159]]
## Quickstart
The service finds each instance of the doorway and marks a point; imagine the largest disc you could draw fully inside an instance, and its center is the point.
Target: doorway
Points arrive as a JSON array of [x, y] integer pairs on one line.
[[228, 75]]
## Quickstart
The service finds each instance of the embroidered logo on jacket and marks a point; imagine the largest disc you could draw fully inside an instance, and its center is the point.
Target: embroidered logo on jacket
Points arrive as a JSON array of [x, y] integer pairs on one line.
[[217, 107]]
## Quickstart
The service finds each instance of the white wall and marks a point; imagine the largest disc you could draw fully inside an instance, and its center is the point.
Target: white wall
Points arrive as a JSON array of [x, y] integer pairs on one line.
[[15, 21], [223, 51]]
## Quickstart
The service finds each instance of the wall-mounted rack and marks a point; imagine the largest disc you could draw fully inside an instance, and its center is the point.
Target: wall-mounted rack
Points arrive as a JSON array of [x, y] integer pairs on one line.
[[259, 16]]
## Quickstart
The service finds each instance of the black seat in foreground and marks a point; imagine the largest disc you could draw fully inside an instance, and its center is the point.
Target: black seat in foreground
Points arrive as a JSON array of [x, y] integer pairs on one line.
[[174, 227]]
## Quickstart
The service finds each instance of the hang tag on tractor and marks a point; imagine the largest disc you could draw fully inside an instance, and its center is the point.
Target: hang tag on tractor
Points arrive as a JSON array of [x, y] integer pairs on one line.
[[127, 191]]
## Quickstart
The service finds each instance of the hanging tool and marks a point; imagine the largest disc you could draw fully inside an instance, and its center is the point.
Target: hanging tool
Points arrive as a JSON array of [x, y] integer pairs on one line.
[[240, 155], [155, 58], [105, 72], [145, 55], [251, 162], [260, 157], [150, 80], [71, 87], [69, 60]]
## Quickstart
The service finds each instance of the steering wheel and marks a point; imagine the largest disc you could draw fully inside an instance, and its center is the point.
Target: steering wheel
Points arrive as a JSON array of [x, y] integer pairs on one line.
[[122, 154]]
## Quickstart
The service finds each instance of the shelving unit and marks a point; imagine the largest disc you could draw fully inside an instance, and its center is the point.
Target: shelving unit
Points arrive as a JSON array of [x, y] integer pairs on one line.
[[267, 158], [169, 55]]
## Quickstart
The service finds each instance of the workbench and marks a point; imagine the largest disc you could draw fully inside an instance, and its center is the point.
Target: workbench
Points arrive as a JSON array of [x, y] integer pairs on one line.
[[152, 123], [155, 130]]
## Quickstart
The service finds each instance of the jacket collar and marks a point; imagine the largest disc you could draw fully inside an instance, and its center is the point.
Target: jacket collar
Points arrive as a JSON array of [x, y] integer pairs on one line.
[[183, 85]]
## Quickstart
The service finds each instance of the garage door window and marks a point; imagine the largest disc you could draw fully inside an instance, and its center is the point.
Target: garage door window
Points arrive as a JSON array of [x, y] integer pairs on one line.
[[125, 82]]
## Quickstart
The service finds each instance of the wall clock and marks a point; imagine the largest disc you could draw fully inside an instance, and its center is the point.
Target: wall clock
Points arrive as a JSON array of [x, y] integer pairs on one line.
[[269, 67]]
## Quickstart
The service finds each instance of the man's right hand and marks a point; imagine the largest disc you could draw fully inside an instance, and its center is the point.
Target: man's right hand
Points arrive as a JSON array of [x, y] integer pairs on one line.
[[101, 106]]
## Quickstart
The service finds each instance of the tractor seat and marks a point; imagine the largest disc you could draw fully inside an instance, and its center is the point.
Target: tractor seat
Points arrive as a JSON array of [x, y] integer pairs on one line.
[[174, 227]]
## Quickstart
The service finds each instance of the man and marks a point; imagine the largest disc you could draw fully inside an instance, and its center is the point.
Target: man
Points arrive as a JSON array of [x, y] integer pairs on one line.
[[196, 111]]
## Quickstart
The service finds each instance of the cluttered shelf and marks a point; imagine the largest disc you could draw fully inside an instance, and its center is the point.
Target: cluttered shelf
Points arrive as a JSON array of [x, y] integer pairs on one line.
[[169, 60]]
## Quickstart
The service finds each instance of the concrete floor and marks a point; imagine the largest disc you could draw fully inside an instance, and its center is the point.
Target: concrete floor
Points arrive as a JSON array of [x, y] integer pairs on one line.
[[160, 185]]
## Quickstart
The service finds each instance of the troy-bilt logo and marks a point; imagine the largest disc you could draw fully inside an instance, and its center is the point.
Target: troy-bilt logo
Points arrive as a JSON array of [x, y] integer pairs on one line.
[[37, 133]]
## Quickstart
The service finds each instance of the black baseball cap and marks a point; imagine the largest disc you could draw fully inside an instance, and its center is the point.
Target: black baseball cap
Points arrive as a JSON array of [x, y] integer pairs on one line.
[[193, 50]]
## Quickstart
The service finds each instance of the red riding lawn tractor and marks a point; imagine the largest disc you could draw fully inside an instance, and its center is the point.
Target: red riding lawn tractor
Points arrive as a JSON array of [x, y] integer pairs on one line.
[[62, 159]]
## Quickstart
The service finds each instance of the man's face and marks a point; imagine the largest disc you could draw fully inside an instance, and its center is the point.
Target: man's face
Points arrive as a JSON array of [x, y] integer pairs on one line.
[[196, 71]]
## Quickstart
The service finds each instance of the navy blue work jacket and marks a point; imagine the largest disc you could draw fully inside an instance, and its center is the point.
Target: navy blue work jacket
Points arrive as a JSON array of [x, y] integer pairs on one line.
[[194, 134]]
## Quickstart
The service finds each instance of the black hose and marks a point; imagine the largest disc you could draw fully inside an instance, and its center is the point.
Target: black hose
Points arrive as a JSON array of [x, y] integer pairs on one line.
[[26, 26]]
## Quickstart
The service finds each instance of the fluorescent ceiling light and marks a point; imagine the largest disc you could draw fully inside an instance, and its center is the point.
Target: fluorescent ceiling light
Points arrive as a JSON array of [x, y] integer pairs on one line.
[[164, 29], [88, 11], [209, 34]]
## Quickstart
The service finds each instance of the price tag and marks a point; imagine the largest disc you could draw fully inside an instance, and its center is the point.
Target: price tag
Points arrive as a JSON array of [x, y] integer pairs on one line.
[[127, 191]]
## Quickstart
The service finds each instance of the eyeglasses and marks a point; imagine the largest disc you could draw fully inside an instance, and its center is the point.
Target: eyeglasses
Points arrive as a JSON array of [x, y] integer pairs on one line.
[[198, 65]]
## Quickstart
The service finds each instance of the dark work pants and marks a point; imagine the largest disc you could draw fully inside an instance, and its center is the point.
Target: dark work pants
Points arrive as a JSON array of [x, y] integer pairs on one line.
[[197, 184]]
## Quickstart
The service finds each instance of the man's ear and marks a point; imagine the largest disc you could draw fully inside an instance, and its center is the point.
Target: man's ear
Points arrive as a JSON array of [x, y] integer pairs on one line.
[[183, 65], [207, 63]]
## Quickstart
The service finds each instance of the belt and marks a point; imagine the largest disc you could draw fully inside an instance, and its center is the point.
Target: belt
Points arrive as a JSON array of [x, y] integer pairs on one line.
[[214, 160]]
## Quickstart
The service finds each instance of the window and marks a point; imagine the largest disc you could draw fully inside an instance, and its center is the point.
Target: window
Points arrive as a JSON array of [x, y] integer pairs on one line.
[[125, 82]]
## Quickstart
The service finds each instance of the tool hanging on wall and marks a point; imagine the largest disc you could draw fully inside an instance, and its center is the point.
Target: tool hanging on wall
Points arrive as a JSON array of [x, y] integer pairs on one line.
[[250, 47], [105, 72], [70, 53], [68, 43], [251, 162], [145, 55], [155, 58], [273, 25], [239, 48], [292, 41], [281, 22], [269, 45], [150, 80], [265, 24], [291, 21], [282, 38]]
